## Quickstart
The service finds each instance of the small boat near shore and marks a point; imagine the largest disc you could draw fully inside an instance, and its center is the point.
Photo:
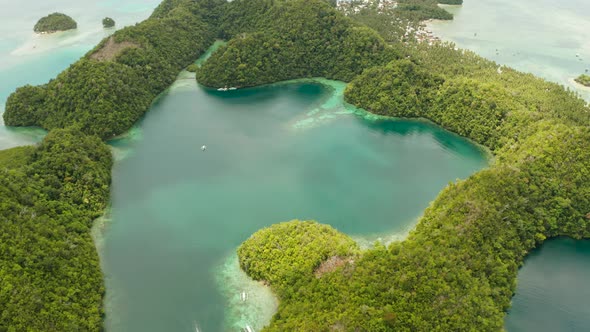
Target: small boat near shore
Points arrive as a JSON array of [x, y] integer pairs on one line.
[[248, 328], [226, 88]]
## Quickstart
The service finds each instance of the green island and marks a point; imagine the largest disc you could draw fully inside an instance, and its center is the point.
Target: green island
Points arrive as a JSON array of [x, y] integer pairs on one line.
[[291, 40], [456, 270], [108, 22], [55, 22], [583, 79]]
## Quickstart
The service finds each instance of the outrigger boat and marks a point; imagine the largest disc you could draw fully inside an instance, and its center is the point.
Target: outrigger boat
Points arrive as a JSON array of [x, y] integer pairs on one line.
[[226, 88]]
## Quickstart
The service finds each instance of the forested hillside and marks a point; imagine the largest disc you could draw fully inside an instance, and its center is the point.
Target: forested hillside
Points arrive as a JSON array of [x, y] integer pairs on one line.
[[49, 196], [291, 39]]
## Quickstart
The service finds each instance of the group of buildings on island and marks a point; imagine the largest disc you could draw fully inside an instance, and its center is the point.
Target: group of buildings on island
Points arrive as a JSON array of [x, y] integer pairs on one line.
[[357, 5], [420, 33]]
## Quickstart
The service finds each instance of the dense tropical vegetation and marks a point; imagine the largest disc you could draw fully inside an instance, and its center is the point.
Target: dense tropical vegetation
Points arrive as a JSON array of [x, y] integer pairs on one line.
[[266, 255], [279, 40], [108, 22], [456, 271], [55, 22], [583, 79], [467, 94], [290, 39], [50, 278]]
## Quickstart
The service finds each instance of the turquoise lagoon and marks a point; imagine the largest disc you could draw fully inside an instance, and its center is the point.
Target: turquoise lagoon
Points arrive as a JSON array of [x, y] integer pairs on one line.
[[286, 151]]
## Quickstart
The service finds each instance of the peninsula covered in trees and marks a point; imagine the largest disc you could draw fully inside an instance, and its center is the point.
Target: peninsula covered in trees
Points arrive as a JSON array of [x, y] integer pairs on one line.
[[456, 271], [292, 40], [583, 79], [50, 278], [55, 22]]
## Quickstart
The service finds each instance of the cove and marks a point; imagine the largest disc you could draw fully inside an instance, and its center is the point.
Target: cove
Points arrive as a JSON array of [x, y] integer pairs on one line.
[[274, 153], [552, 292]]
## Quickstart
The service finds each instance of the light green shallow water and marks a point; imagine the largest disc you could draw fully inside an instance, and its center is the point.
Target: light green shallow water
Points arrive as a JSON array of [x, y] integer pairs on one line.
[[541, 37], [273, 153]]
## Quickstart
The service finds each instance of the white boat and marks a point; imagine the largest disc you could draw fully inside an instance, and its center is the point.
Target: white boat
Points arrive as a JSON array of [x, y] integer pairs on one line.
[[244, 296], [204, 147], [222, 89], [197, 329], [233, 88], [248, 329]]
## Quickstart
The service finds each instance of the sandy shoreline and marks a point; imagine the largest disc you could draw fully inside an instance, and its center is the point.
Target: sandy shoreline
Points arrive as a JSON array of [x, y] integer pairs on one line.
[[579, 85]]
